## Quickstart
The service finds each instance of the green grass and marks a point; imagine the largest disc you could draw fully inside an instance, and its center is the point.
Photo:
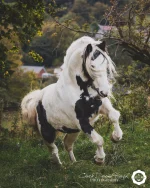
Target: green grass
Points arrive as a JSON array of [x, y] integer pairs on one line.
[[27, 164]]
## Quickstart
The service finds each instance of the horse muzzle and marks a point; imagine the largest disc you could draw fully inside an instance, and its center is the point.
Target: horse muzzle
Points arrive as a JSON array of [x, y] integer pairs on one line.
[[101, 94]]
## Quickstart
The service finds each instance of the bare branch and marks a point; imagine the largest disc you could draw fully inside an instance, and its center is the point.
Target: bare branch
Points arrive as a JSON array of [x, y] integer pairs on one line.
[[59, 41], [72, 29]]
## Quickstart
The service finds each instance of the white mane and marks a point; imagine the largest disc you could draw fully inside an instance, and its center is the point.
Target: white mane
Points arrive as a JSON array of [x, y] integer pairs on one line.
[[80, 44]]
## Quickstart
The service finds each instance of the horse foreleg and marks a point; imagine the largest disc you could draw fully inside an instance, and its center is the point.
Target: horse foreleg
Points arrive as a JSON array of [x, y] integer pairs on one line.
[[113, 115], [98, 140], [69, 139], [95, 138]]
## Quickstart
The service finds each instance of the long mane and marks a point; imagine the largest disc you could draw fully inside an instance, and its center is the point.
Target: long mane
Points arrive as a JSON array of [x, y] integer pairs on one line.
[[81, 43]]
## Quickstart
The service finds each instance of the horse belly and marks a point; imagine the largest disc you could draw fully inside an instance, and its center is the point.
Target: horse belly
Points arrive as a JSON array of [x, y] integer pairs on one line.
[[59, 113], [64, 118]]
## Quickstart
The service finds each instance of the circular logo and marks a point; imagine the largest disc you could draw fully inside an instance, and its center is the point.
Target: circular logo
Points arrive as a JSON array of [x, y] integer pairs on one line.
[[138, 177]]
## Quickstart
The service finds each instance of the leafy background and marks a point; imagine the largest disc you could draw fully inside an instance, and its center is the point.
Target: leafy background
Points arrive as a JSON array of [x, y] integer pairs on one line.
[[38, 33]]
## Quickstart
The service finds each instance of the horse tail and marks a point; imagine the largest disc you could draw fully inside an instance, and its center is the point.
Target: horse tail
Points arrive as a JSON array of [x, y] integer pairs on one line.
[[28, 107]]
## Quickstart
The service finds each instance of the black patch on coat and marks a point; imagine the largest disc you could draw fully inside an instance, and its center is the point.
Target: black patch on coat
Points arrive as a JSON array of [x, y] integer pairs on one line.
[[84, 85], [86, 54], [88, 50], [68, 130], [48, 132], [84, 107]]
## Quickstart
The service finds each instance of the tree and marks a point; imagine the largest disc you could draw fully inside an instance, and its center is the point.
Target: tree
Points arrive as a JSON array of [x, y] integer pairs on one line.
[[132, 28], [19, 18], [82, 9], [51, 46], [20, 21], [98, 11]]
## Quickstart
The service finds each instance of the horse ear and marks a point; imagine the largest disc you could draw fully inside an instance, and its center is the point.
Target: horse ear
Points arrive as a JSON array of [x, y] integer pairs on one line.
[[102, 45], [88, 49]]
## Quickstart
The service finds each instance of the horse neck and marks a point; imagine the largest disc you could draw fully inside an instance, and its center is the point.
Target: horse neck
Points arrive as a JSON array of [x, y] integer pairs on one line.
[[73, 63], [69, 74]]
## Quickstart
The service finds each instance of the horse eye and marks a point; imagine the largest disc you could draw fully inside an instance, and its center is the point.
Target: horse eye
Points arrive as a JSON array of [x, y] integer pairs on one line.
[[95, 55]]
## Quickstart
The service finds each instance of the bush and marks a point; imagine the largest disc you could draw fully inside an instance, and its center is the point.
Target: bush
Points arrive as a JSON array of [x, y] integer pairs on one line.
[[17, 86], [132, 105]]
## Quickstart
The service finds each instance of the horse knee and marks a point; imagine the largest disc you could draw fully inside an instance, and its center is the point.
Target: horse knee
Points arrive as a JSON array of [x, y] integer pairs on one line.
[[114, 115], [96, 138]]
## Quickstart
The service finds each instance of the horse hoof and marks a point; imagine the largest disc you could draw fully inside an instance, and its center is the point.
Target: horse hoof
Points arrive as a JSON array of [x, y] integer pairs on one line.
[[114, 140], [99, 161], [56, 161]]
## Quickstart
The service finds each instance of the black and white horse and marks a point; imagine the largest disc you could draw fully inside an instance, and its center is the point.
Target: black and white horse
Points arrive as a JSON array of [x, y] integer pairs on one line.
[[73, 103]]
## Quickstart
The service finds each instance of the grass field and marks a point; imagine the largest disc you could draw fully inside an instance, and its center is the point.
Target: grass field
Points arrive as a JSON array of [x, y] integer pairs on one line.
[[25, 163]]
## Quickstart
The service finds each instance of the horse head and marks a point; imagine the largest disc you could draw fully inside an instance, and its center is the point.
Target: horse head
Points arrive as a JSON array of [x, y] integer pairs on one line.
[[90, 60], [98, 67]]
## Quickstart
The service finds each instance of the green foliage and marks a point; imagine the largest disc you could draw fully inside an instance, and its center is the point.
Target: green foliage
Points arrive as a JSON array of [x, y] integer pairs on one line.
[[132, 91], [98, 11], [132, 28], [51, 46], [35, 56], [18, 85], [29, 16], [133, 105], [136, 75], [56, 38], [82, 9], [18, 19]]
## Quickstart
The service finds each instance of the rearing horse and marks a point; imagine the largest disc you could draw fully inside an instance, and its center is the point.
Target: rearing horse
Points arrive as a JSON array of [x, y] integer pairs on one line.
[[73, 103]]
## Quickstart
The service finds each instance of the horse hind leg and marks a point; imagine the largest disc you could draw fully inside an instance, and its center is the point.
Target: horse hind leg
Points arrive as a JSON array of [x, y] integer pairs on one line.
[[49, 137], [47, 132], [69, 140], [55, 156]]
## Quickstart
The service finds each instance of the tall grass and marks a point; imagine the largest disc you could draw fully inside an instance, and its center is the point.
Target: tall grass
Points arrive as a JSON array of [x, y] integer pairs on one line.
[[25, 161]]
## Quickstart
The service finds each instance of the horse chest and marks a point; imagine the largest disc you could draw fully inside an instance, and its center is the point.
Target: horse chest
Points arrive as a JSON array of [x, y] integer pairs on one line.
[[86, 107]]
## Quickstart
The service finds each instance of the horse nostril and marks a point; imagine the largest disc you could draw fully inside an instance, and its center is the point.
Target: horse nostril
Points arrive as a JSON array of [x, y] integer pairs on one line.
[[103, 95]]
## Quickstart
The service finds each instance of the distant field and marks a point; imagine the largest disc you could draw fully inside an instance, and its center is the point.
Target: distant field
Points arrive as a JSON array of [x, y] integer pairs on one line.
[[25, 163]]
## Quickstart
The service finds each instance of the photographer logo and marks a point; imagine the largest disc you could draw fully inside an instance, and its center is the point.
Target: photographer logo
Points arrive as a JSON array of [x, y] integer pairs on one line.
[[138, 177]]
